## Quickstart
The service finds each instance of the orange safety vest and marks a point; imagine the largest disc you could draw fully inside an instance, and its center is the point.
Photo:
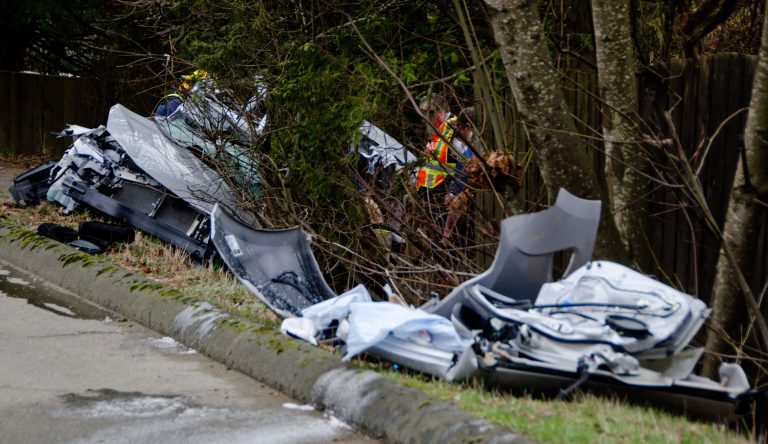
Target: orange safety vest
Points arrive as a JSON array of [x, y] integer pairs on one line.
[[435, 170]]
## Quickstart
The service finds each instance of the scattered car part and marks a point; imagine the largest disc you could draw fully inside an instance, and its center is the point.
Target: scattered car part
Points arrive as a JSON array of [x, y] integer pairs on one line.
[[57, 232], [276, 265], [381, 149], [32, 186], [650, 319], [85, 241], [695, 396], [394, 332], [87, 246], [527, 244], [176, 168], [111, 233], [193, 238]]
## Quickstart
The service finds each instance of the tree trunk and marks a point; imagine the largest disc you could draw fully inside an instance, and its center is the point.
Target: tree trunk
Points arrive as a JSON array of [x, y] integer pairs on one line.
[[745, 212], [626, 163], [560, 154]]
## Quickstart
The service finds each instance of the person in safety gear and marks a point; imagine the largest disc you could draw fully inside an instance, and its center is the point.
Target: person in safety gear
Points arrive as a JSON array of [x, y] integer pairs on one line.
[[198, 75], [168, 104], [440, 178], [460, 146], [174, 99], [432, 174]]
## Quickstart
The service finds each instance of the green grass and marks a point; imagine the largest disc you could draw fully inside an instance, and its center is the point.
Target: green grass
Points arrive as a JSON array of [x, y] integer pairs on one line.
[[587, 419], [170, 266]]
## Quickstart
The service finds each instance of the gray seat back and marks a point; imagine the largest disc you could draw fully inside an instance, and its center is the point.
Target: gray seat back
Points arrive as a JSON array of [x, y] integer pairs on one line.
[[527, 245]]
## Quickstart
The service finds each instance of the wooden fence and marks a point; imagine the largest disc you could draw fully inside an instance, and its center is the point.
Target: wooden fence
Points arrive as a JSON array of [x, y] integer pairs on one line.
[[708, 102], [33, 105], [705, 97]]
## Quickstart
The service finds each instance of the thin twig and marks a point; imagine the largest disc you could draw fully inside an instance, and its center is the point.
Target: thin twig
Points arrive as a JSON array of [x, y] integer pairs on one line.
[[698, 194]]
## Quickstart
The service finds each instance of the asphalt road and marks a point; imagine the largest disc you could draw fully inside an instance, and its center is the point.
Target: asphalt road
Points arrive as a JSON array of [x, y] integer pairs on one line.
[[69, 373]]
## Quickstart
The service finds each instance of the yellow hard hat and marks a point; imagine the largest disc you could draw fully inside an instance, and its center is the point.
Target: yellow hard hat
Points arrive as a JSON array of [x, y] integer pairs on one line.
[[190, 79], [196, 75]]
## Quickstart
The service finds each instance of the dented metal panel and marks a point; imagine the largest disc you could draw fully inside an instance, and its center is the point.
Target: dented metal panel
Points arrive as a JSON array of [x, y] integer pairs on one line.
[[276, 265], [188, 241], [381, 149], [173, 166]]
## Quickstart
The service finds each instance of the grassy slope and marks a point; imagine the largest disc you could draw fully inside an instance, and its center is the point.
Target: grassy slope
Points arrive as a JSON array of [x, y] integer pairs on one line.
[[587, 419]]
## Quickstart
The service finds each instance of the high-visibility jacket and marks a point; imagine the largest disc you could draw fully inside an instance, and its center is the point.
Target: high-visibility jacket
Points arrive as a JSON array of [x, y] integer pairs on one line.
[[168, 104], [434, 171]]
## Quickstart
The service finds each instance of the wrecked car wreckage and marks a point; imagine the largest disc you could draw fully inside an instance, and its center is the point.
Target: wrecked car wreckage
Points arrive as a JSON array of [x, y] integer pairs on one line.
[[602, 327], [168, 208], [151, 173]]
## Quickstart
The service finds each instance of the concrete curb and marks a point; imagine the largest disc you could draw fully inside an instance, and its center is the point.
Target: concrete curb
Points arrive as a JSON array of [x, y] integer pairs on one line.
[[364, 399]]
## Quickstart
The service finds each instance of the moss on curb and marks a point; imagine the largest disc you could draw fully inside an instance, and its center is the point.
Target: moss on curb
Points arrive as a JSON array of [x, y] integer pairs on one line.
[[546, 421]]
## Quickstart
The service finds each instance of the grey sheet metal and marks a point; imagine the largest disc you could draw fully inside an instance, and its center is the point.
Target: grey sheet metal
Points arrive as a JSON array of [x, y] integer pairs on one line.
[[578, 326], [382, 149], [452, 367], [276, 265], [244, 166], [697, 397], [523, 261], [603, 290], [173, 166]]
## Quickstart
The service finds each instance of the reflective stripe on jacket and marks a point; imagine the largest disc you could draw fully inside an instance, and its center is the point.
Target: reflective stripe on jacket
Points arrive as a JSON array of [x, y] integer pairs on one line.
[[435, 170]]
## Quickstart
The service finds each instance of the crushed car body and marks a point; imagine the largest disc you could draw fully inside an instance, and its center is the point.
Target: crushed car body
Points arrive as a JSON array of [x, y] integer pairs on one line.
[[275, 265], [208, 124], [100, 172], [603, 327], [150, 172]]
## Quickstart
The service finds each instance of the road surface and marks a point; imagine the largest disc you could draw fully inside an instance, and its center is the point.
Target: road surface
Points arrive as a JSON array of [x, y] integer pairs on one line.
[[71, 373]]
